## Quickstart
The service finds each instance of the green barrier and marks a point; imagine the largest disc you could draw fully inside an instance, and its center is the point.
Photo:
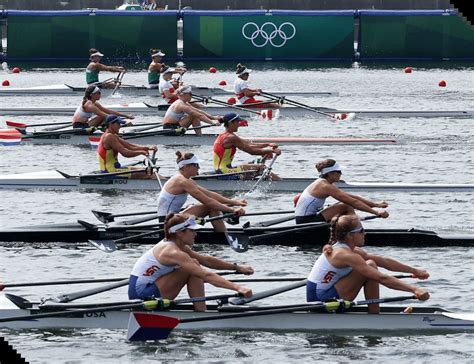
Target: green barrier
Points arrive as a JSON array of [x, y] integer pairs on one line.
[[68, 35], [424, 35], [274, 35]]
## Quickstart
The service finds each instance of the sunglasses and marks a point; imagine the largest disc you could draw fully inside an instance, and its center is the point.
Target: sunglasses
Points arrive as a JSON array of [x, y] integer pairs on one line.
[[357, 231]]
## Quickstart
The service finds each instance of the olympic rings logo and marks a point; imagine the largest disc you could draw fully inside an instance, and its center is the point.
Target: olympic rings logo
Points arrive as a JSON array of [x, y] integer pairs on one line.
[[268, 33]]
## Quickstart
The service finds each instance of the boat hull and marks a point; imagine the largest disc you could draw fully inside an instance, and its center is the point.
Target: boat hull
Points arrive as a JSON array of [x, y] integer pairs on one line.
[[390, 320], [141, 108]]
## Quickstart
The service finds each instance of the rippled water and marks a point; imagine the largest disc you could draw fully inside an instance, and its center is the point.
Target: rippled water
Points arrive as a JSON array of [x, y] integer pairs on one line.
[[437, 150]]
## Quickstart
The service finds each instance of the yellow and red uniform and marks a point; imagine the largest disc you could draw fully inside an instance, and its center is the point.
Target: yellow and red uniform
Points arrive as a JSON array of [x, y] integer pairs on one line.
[[223, 157], [108, 159]]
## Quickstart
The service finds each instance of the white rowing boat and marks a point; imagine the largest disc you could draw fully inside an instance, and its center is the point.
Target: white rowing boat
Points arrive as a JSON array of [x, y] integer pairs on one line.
[[57, 180], [141, 108], [67, 90], [80, 137], [391, 319]]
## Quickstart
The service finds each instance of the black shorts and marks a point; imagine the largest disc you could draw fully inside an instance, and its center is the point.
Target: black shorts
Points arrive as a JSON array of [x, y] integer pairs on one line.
[[310, 218]]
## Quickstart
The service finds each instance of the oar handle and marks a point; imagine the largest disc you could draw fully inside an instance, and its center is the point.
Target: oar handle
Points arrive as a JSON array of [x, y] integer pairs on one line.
[[206, 100]]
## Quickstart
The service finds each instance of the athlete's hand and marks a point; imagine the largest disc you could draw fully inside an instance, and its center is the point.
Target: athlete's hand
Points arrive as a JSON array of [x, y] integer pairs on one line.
[[240, 202], [277, 151], [246, 292], [422, 294], [239, 212], [381, 204], [382, 214], [421, 274], [153, 148], [244, 269]]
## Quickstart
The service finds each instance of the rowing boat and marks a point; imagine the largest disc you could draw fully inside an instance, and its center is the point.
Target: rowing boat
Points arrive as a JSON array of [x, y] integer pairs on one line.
[[57, 180], [286, 111], [391, 318], [81, 137], [67, 90], [306, 235]]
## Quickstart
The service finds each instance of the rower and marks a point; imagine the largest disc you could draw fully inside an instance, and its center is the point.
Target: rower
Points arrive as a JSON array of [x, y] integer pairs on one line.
[[94, 67], [344, 268], [310, 205], [245, 94], [228, 142], [167, 85], [156, 67], [172, 263], [111, 144], [183, 114], [90, 112], [176, 190]]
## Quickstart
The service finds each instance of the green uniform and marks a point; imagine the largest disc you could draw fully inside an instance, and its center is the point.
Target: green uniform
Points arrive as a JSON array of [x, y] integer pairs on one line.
[[92, 76]]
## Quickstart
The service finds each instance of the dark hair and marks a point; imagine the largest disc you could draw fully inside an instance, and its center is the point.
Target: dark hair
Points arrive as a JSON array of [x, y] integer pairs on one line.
[[92, 51], [341, 225], [172, 220], [182, 156], [324, 164], [88, 93]]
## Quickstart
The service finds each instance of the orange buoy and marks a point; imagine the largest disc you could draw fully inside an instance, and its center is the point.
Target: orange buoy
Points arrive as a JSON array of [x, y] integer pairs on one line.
[[296, 199], [442, 83], [231, 100], [212, 70], [408, 69], [6, 83], [222, 83], [16, 70]]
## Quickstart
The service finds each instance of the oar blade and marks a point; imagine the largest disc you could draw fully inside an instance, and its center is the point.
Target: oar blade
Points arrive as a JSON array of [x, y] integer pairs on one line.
[[149, 326], [240, 244], [104, 217], [107, 246]]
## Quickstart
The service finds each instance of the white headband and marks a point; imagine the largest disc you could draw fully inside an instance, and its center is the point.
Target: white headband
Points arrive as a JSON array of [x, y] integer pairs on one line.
[[245, 70], [193, 160], [158, 54], [335, 167], [95, 90], [190, 223], [97, 54]]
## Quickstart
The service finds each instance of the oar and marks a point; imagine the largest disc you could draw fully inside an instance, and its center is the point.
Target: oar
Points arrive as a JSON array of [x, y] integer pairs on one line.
[[235, 220], [206, 100], [268, 293], [334, 116], [80, 281], [118, 82], [107, 217], [159, 327], [306, 227], [17, 125], [265, 174], [269, 222], [68, 297], [143, 305]]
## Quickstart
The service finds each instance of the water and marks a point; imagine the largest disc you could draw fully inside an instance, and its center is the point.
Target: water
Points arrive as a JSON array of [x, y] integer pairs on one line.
[[434, 150]]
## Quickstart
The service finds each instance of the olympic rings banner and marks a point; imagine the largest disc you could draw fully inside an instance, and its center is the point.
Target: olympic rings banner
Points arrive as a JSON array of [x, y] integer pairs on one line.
[[268, 35]]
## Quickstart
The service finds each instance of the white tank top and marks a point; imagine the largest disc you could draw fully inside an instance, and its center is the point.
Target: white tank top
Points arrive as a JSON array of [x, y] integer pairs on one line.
[[164, 85], [308, 204], [169, 203], [148, 268], [324, 274], [82, 114], [239, 86]]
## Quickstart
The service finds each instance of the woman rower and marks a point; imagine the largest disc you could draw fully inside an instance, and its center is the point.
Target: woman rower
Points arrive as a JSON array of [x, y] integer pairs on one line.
[[228, 142], [182, 114], [177, 189], [167, 85], [111, 144], [94, 68], [172, 264], [344, 268], [310, 205], [245, 94], [155, 68], [90, 112]]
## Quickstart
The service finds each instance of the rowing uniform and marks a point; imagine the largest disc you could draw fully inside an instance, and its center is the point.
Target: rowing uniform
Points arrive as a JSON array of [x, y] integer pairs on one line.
[[323, 277], [308, 208], [145, 272], [108, 159], [92, 76], [239, 86], [223, 156], [169, 203], [81, 114], [167, 85], [153, 77]]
